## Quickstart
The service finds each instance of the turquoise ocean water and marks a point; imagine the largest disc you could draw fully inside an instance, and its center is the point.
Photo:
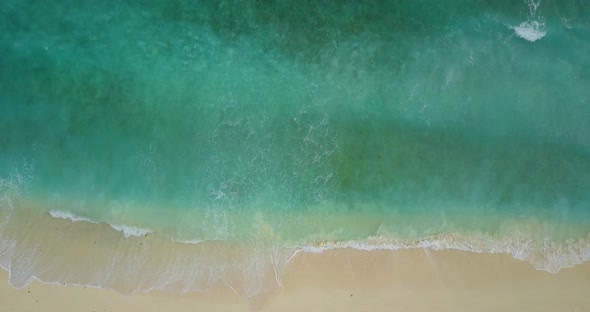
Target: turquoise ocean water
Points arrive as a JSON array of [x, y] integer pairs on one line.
[[290, 126]]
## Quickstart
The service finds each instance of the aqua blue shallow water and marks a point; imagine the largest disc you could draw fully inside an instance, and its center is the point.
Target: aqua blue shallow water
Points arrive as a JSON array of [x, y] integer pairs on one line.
[[201, 119]]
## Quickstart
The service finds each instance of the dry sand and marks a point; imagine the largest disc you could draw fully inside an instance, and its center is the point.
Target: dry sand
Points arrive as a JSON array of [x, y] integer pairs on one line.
[[351, 280]]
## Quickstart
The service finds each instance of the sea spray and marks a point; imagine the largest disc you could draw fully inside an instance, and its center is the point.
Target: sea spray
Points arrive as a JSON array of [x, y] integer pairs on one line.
[[532, 29]]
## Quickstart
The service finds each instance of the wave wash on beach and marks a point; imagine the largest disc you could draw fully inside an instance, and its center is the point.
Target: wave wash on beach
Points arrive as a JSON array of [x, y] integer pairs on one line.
[[191, 145]]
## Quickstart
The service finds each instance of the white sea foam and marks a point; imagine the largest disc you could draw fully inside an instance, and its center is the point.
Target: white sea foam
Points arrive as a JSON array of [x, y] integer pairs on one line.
[[548, 256], [129, 231], [534, 28], [189, 241], [252, 269], [530, 30], [545, 256], [58, 214]]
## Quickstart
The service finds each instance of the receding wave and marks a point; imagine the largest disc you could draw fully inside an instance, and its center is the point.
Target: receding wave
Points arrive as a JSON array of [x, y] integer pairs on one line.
[[549, 256], [127, 231], [92, 254]]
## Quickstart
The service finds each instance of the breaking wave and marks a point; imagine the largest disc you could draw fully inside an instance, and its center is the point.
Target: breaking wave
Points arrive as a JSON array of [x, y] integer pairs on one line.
[[92, 254]]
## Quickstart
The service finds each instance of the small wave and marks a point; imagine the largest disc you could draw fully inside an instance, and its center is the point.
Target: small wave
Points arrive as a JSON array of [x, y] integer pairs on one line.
[[530, 30], [129, 231], [548, 256], [58, 214]]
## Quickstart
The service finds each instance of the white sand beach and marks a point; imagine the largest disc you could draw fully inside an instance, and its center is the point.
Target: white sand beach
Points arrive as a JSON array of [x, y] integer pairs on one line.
[[350, 280]]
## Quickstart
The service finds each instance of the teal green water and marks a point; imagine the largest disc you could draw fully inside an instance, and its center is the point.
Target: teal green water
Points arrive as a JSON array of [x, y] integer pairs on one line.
[[203, 118]]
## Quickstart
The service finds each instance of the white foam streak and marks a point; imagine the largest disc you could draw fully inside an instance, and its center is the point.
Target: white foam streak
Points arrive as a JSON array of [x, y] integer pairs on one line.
[[550, 256], [129, 231], [58, 214], [189, 241]]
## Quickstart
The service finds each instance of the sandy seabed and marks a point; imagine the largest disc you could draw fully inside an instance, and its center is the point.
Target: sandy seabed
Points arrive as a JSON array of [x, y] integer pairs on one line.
[[350, 280]]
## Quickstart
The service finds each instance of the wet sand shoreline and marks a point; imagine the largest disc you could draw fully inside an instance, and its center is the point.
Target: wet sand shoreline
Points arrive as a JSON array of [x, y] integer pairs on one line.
[[350, 280]]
